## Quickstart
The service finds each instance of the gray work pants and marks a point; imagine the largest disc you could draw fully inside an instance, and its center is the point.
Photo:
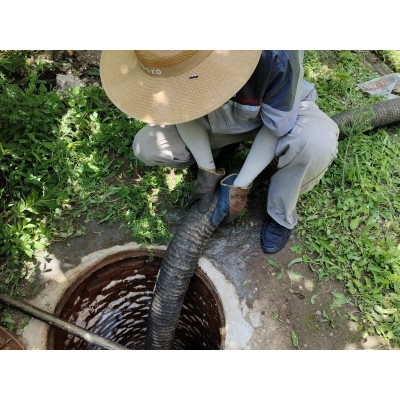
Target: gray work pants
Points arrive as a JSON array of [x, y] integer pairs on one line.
[[305, 153]]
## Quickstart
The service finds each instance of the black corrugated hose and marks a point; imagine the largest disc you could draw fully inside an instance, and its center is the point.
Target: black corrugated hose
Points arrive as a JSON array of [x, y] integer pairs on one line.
[[363, 119], [182, 255]]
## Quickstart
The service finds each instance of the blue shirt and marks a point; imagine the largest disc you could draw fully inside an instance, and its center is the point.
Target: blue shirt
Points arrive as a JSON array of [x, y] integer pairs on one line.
[[271, 97]]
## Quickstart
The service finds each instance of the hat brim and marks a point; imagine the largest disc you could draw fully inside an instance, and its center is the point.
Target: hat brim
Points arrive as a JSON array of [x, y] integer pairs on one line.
[[177, 99]]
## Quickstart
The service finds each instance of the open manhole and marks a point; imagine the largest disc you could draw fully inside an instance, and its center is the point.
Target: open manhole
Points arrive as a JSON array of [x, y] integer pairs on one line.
[[112, 299]]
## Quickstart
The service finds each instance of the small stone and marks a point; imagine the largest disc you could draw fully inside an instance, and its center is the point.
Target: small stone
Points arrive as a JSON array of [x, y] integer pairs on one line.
[[66, 82]]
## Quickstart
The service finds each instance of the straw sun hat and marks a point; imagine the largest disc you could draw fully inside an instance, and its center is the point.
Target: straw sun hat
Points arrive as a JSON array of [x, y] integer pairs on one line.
[[169, 87]]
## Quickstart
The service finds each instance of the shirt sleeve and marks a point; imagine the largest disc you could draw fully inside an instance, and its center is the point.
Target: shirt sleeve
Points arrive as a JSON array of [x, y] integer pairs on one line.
[[281, 101]]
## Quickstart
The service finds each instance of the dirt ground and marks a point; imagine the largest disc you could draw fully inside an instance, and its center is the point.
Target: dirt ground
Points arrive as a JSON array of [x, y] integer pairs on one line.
[[276, 298], [283, 299]]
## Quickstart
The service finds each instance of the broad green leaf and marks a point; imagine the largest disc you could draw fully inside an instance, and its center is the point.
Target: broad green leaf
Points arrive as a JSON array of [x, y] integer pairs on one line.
[[388, 311], [354, 224], [378, 309], [393, 277], [295, 339], [313, 297], [39, 246], [353, 317], [49, 145], [324, 243], [34, 209], [295, 261], [340, 300], [295, 276], [8, 319], [272, 262], [296, 249], [28, 251]]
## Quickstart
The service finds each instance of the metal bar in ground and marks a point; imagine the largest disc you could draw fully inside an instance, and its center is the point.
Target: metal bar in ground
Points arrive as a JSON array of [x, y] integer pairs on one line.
[[50, 319]]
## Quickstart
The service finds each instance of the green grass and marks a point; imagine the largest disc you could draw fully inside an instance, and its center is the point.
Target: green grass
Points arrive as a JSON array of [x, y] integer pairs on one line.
[[335, 74], [66, 159], [349, 222], [392, 58]]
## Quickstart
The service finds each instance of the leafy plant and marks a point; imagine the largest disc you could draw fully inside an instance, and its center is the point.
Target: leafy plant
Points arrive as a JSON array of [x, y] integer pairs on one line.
[[349, 221], [391, 57], [295, 340], [65, 158]]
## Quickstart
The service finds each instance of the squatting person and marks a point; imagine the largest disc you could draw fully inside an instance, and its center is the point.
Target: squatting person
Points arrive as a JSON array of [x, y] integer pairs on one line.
[[196, 102]]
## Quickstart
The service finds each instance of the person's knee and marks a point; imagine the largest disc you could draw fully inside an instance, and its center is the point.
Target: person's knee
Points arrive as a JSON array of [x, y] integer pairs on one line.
[[141, 147], [319, 132], [319, 155], [323, 150], [291, 148], [161, 146]]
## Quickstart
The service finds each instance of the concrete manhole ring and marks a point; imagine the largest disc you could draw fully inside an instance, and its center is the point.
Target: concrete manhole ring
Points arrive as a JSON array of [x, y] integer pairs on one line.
[[109, 293]]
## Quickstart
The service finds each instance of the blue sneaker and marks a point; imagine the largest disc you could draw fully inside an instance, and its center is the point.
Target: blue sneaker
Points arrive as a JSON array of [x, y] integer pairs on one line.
[[274, 236]]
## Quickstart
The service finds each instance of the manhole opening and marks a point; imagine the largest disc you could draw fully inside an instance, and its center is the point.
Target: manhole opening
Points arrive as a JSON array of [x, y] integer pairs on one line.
[[113, 299]]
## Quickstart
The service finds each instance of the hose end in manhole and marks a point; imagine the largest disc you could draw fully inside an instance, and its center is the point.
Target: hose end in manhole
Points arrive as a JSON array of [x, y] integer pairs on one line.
[[112, 299]]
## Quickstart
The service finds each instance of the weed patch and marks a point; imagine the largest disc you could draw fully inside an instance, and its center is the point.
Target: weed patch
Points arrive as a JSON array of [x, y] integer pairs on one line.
[[349, 221], [391, 57], [65, 159]]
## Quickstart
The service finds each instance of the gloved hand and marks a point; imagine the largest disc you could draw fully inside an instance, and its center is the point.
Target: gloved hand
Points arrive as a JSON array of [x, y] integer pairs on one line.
[[206, 184], [232, 200]]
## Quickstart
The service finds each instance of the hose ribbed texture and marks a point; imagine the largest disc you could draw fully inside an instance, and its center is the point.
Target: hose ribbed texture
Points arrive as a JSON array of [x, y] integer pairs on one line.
[[364, 118], [182, 255], [177, 268]]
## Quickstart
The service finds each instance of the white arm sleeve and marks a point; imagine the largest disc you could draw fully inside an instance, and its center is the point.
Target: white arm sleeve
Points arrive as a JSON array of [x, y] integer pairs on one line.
[[195, 137], [261, 154]]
